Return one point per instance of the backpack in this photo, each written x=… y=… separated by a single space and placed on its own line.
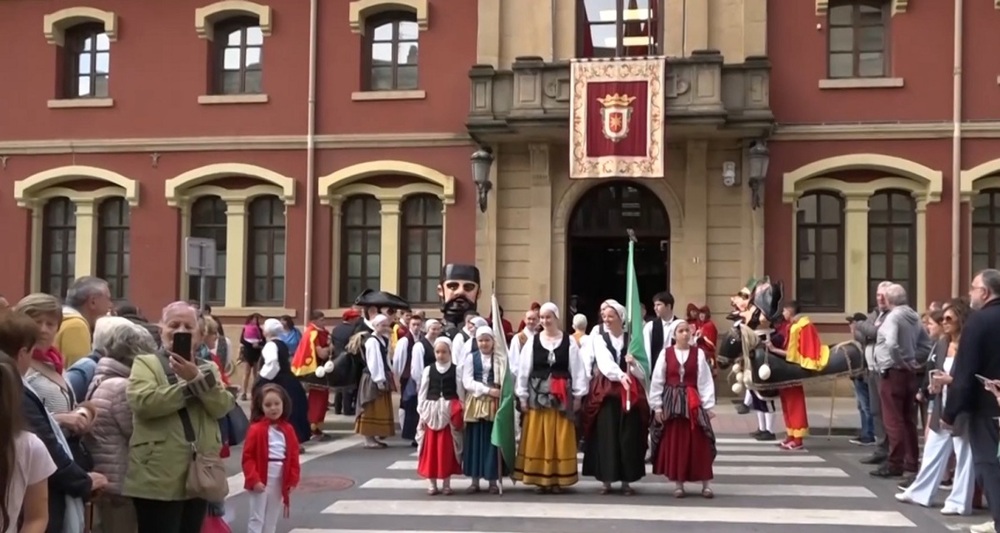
x=81 y=374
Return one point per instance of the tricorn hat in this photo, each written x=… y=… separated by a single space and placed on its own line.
x=373 y=298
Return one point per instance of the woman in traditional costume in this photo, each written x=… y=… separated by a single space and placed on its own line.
x=480 y=459
x=551 y=382
x=616 y=413
x=439 y=435
x=375 y=418
x=707 y=336
x=682 y=396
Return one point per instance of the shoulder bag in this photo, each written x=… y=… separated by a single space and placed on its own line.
x=206 y=476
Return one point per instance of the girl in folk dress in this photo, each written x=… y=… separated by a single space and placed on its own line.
x=271 y=466
x=682 y=396
x=551 y=382
x=616 y=413
x=480 y=380
x=375 y=418
x=439 y=435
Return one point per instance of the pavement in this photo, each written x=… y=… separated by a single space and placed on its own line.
x=758 y=488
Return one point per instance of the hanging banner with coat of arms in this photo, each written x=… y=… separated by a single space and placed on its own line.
x=617 y=118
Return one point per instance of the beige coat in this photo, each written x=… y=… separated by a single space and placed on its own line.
x=108 y=439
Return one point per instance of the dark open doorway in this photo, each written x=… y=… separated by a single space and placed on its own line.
x=598 y=246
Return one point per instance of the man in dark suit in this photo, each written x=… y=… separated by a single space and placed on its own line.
x=978 y=351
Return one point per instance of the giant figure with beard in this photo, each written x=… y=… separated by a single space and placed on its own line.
x=459 y=292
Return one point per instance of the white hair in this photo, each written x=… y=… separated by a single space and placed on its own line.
x=895 y=295
x=580 y=321
x=121 y=339
x=178 y=306
x=883 y=285
x=83 y=289
x=272 y=328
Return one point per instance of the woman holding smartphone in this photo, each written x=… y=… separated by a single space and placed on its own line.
x=941 y=439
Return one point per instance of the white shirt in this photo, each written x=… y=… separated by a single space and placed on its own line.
x=276 y=445
x=373 y=358
x=32 y=465
x=607 y=362
x=669 y=327
x=469 y=383
x=706 y=386
x=270 y=367
x=577 y=373
x=515 y=348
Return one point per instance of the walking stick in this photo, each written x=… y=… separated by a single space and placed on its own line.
x=833 y=398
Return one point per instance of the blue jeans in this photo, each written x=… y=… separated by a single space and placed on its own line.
x=864 y=408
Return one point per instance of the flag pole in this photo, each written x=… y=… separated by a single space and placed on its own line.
x=498 y=380
x=631 y=255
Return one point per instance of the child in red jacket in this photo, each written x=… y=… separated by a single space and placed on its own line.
x=270 y=458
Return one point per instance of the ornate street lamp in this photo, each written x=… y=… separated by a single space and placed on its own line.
x=759 y=157
x=482 y=161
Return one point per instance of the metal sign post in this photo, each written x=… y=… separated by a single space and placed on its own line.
x=200 y=262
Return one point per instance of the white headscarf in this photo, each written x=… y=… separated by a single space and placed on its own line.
x=549 y=307
x=485 y=330
x=431 y=322
x=619 y=308
x=479 y=322
x=442 y=340
x=379 y=320
x=272 y=328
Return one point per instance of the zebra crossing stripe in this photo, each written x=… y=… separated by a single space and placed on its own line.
x=719 y=470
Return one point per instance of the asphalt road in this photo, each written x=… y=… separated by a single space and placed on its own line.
x=347 y=489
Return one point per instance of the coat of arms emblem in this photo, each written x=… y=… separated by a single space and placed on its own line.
x=615 y=115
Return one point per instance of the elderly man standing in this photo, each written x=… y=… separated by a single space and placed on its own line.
x=899 y=341
x=87 y=299
x=977 y=356
x=865 y=333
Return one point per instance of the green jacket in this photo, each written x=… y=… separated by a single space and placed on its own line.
x=159 y=454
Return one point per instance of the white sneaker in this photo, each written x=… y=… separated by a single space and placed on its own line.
x=950 y=511
x=985 y=527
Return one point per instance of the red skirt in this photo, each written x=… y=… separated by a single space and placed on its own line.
x=437 y=455
x=685 y=452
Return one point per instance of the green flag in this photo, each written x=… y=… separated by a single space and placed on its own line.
x=634 y=318
x=503 y=424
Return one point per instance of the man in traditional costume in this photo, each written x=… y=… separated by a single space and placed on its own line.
x=375 y=418
x=682 y=395
x=551 y=383
x=402 y=366
x=616 y=412
x=480 y=378
x=658 y=334
x=440 y=433
x=310 y=365
x=459 y=293
x=518 y=342
x=747 y=314
x=797 y=341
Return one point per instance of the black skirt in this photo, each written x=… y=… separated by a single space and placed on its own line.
x=616 y=449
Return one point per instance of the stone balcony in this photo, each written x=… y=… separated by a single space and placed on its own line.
x=705 y=97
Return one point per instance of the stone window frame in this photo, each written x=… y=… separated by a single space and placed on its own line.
x=336 y=187
x=896 y=7
x=924 y=183
x=54 y=28
x=34 y=191
x=205 y=20
x=181 y=192
x=359 y=11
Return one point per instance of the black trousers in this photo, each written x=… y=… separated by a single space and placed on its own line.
x=984 y=436
x=155 y=516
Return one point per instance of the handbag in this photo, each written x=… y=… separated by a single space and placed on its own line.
x=206 y=476
x=235 y=426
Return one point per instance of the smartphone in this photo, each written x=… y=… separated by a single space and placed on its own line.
x=182 y=344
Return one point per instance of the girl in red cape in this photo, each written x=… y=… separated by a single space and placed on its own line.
x=271 y=468
x=708 y=336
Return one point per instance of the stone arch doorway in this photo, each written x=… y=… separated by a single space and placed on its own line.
x=597 y=246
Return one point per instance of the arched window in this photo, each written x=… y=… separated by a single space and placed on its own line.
x=819 y=237
x=208 y=221
x=87 y=61
x=266 y=252
x=986 y=230
x=58 y=246
x=892 y=239
x=423 y=236
x=361 y=247
x=113 y=246
x=392 y=50
x=239 y=43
